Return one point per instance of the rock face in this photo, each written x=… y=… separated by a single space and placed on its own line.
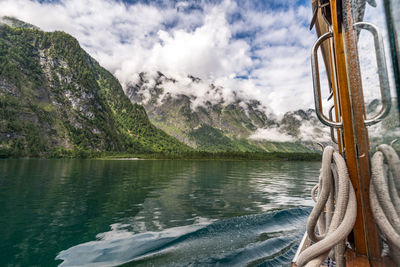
x=54 y=97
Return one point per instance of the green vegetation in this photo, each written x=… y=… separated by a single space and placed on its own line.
x=211 y=139
x=56 y=101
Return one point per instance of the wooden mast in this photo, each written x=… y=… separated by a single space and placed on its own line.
x=355 y=133
x=355 y=136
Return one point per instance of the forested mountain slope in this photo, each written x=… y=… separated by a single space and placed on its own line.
x=55 y=98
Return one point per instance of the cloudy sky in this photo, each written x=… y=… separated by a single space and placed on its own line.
x=260 y=48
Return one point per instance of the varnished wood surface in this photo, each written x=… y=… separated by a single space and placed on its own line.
x=347 y=119
x=360 y=134
x=354 y=260
x=355 y=135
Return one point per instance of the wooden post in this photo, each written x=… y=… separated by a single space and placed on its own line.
x=355 y=134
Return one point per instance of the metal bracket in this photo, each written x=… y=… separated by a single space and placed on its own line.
x=382 y=72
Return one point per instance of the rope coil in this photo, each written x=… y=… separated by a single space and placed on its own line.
x=384 y=196
x=336 y=194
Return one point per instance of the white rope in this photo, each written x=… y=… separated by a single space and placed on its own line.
x=336 y=194
x=384 y=196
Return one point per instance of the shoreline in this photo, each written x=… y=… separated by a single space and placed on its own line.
x=197 y=155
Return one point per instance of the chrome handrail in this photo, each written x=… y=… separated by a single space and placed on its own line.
x=317 y=84
x=382 y=72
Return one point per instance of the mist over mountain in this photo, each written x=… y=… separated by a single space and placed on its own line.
x=211 y=117
x=389 y=129
x=199 y=114
x=55 y=97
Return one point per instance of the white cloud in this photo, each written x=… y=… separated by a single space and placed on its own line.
x=130 y=38
x=271 y=134
x=273 y=50
x=309 y=131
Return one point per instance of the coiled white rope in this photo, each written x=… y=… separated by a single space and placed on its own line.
x=336 y=194
x=384 y=196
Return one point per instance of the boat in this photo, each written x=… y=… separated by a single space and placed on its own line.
x=355 y=221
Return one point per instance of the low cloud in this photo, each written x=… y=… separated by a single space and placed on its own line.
x=309 y=131
x=217 y=42
x=260 y=50
x=272 y=134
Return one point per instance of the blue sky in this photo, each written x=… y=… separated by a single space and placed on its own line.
x=254 y=49
x=263 y=4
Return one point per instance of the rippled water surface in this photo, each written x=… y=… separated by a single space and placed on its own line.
x=152 y=212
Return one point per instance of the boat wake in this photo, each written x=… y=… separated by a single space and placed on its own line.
x=268 y=239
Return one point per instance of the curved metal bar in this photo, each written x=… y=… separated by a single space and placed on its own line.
x=330 y=95
x=317 y=84
x=382 y=72
x=332 y=130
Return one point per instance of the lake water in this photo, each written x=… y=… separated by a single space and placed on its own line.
x=152 y=212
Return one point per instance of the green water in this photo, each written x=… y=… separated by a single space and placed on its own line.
x=49 y=206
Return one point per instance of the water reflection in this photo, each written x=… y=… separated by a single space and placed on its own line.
x=50 y=205
x=217 y=190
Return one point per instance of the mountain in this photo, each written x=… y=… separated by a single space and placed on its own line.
x=55 y=98
x=389 y=129
x=208 y=121
x=211 y=118
x=16 y=23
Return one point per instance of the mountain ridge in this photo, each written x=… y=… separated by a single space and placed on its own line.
x=191 y=119
x=185 y=110
x=55 y=98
